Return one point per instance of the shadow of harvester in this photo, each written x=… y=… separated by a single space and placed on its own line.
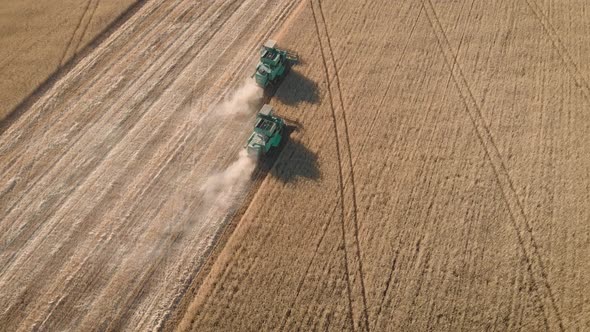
x=296 y=88
x=290 y=161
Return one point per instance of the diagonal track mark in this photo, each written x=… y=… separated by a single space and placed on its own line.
x=520 y=222
x=85 y=30
x=559 y=46
x=69 y=44
x=375 y=117
x=339 y=157
x=7 y=61
x=351 y=168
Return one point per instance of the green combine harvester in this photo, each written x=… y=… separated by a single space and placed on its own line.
x=273 y=65
x=268 y=132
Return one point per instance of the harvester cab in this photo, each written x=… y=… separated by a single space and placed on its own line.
x=268 y=132
x=273 y=65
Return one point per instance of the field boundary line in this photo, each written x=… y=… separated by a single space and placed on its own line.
x=136 y=84
x=521 y=224
x=106 y=155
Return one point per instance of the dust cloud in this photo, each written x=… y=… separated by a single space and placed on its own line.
x=222 y=188
x=244 y=101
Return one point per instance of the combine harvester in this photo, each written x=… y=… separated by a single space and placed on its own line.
x=268 y=132
x=273 y=65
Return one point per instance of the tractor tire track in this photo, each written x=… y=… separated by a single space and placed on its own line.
x=78 y=25
x=373 y=121
x=559 y=46
x=424 y=181
x=526 y=239
x=92 y=83
x=351 y=168
x=7 y=61
x=86 y=26
x=115 y=46
x=339 y=159
x=386 y=290
x=340 y=178
x=110 y=53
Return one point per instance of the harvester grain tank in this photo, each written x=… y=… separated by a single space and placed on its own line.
x=273 y=65
x=268 y=132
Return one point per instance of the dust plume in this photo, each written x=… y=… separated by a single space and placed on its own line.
x=222 y=188
x=244 y=101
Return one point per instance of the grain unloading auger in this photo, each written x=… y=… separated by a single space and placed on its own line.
x=274 y=64
x=268 y=132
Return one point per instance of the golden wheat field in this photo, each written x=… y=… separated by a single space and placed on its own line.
x=434 y=177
